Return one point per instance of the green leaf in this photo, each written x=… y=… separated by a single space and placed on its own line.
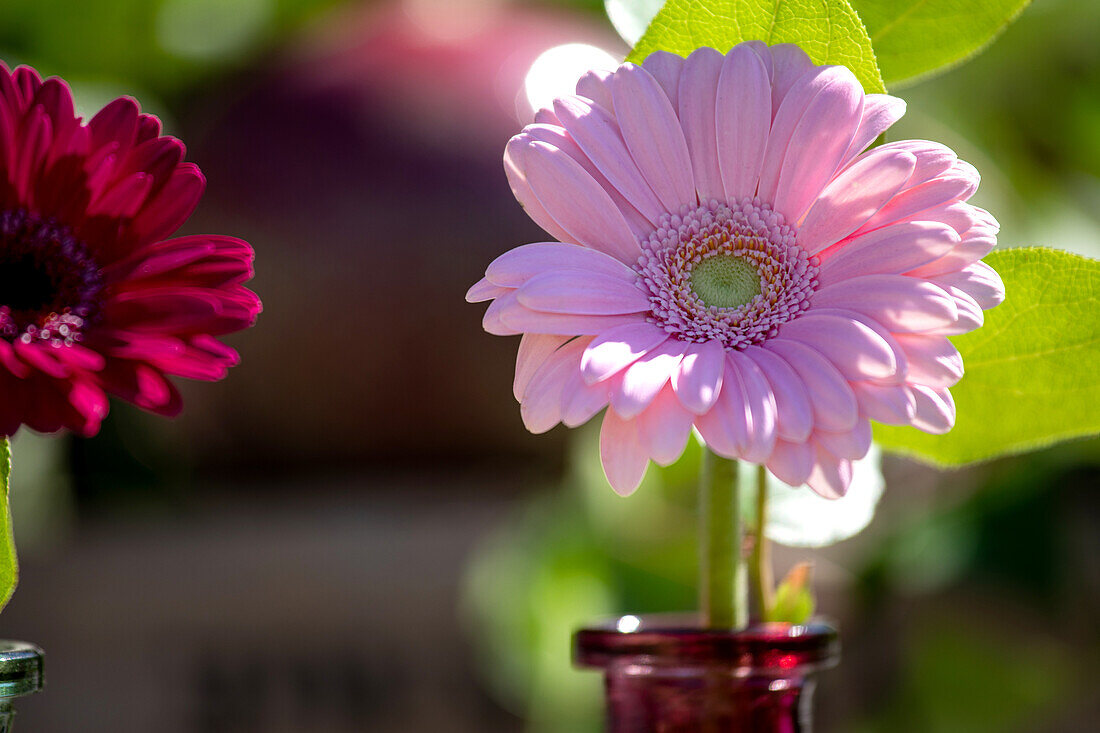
x=9 y=569
x=828 y=30
x=914 y=39
x=794 y=598
x=1031 y=371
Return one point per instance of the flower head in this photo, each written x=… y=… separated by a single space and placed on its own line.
x=93 y=299
x=730 y=259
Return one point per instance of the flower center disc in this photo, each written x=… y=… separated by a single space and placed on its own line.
x=49 y=283
x=725 y=281
x=731 y=273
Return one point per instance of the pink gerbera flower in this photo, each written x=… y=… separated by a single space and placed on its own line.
x=92 y=301
x=731 y=259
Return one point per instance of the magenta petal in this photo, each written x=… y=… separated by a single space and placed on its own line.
x=697 y=104
x=794 y=412
x=789 y=64
x=645 y=378
x=493 y=319
x=791 y=463
x=699 y=379
x=853 y=197
x=653 y=135
x=833 y=402
x=518 y=265
x=593 y=86
x=853 y=348
x=618 y=348
x=957 y=184
x=582 y=293
x=970 y=313
x=534 y=349
x=621 y=452
x=664 y=427
x=891 y=250
x=743 y=119
x=935 y=412
x=901 y=304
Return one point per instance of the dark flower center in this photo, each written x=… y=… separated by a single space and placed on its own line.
x=49 y=283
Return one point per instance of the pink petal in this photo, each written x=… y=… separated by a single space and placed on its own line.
x=698 y=91
x=524 y=320
x=935 y=411
x=653 y=135
x=593 y=86
x=580 y=402
x=901 y=304
x=957 y=184
x=762 y=410
x=618 y=348
x=621 y=452
x=645 y=378
x=556 y=136
x=980 y=281
x=515 y=166
x=493 y=319
x=578 y=203
x=583 y=293
x=970 y=313
x=664 y=427
x=484 y=290
x=516 y=266
x=852 y=444
x=791 y=462
x=665 y=67
x=933 y=159
x=853 y=348
x=597 y=134
x=542 y=399
x=699 y=379
x=725 y=428
x=833 y=402
x=830 y=476
x=888 y=338
x=534 y=349
x=853 y=197
x=789 y=64
x=831 y=101
x=880 y=111
x=891 y=250
x=933 y=360
x=794 y=412
x=743 y=119
x=889 y=405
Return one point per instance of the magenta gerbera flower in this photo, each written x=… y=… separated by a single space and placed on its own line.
x=731 y=259
x=93 y=299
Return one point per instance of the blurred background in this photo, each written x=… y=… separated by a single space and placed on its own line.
x=354 y=532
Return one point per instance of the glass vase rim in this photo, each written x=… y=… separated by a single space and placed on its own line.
x=682 y=639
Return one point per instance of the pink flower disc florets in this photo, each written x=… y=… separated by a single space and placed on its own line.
x=732 y=275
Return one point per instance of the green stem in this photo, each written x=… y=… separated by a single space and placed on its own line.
x=760 y=566
x=723 y=591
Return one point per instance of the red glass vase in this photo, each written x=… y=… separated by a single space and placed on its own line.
x=667 y=674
